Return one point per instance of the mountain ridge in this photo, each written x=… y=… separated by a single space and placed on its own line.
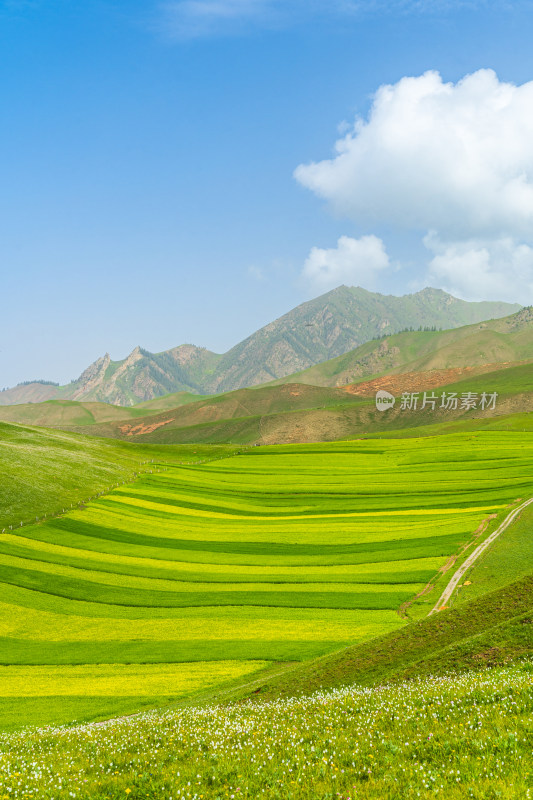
x=325 y=403
x=315 y=331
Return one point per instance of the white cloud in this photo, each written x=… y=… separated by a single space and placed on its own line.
x=482 y=270
x=353 y=262
x=455 y=159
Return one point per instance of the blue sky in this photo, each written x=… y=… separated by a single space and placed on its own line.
x=155 y=181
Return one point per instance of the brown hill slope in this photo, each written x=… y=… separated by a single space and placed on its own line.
x=301 y=413
x=291 y=411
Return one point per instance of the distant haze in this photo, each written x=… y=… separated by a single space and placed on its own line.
x=316 y=331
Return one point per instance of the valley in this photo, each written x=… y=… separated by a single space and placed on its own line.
x=207 y=571
x=261 y=549
x=266 y=400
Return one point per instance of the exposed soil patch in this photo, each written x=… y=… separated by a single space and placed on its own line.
x=139 y=430
x=418 y=381
x=483 y=527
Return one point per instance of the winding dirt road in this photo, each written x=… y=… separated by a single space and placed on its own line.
x=447 y=593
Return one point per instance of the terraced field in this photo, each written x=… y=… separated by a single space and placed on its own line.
x=198 y=575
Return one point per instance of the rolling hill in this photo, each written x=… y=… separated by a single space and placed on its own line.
x=301 y=413
x=320 y=329
x=200 y=574
x=64 y=413
x=486 y=344
x=43 y=472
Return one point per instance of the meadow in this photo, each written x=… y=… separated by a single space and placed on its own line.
x=44 y=472
x=211 y=574
x=458 y=736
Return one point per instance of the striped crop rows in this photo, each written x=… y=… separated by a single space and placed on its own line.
x=206 y=573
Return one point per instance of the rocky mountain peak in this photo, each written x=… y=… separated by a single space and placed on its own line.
x=315 y=331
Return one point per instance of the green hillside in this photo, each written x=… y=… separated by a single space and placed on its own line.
x=211 y=572
x=487 y=357
x=489 y=631
x=302 y=413
x=166 y=401
x=508 y=559
x=463 y=735
x=297 y=412
x=72 y=413
x=64 y=413
x=491 y=342
x=43 y=472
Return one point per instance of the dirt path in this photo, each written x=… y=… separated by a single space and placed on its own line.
x=447 y=593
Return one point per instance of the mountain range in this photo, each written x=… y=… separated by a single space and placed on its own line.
x=333 y=400
x=316 y=331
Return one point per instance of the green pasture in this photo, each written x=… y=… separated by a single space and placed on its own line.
x=519 y=423
x=459 y=736
x=46 y=471
x=200 y=574
x=510 y=557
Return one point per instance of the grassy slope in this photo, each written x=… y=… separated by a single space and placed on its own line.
x=279 y=554
x=65 y=413
x=43 y=471
x=71 y=413
x=167 y=401
x=509 y=558
x=236 y=416
x=277 y=414
x=491 y=630
x=300 y=412
x=493 y=342
x=462 y=736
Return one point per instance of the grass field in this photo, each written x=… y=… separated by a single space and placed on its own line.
x=509 y=558
x=455 y=737
x=44 y=471
x=490 y=630
x=222 y=568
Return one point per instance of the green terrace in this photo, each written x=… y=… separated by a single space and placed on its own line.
x=202 y=575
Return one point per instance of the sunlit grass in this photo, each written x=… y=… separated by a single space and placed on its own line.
x=455 y=737
x=278 y=554
x=120 y=680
